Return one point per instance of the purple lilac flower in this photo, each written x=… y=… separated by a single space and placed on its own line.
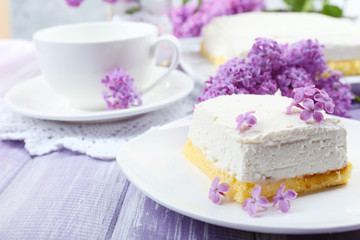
x=309 y=55
x=251 y=204
x=295 y=69
x=327 y=101
x=234 y=77
x=293 y=77
x=217 y=190
x=340 y=93
x=267 y=55
x=303 y=92
x=236 y=71
x=247 y=5
x=284 y=198
x=188 y=23
x=262 y=82
x=120 y=90
x=313 y=101
x=312 y=110
x=73 y=3
x=247 y=119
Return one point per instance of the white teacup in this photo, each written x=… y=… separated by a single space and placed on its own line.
x=74 y=58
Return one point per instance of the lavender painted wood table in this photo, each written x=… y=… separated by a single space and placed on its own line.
x=66 y=195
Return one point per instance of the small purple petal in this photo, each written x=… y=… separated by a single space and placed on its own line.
x=319 y=106
x=329 y=107
x=249 y=112
x=256 y=191
x=318 y=117
x=247 y=204
x=305 y=115
x=280 y=191
x=290 y=194
x=262 y=202
x=214 y=196
x=284 y=206
x=251 y=120
x=319 y=98
x=309 y=91
x=252 y=209
x=308 y=103
x=276 y=199
x=239 y=125
x=215 y=182
x=299 y=97
x=223 y=187
x=240 y=118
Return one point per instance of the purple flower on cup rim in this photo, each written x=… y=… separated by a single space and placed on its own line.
x=284 y=198
x=217 y=190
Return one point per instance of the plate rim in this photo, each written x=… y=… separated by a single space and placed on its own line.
x=138 y=182
x=102 y=115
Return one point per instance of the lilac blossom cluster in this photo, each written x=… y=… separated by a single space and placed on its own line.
x=187 y=21
x=120 y=90
x=270 y=66
x=312 y=101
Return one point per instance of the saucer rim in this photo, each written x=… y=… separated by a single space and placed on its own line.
x=101 y=115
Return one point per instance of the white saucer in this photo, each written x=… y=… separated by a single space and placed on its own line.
x=35 y=98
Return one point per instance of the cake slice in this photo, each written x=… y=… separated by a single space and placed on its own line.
x=227 y=37
x=280 y=149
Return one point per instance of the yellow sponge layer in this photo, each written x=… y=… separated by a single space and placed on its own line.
x=240 y=191
x=347 y=67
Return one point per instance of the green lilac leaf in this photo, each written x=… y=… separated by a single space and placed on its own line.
x=331 y=10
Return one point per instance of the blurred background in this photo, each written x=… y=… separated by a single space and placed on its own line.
x=20 y=19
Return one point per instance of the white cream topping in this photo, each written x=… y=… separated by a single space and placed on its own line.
x=233 y=36
x=279 y=146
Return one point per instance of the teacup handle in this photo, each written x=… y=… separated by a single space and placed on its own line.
x=176 y=51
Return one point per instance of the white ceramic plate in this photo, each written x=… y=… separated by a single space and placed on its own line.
x=35 y=98
x=200 y=68
x=153 y=162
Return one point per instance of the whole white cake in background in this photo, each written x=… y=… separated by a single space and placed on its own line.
x=227 y=37
x=279 y=149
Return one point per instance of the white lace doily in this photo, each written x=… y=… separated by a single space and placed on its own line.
x=98 y=140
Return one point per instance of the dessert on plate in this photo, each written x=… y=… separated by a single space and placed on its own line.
x=227 y=37
x=284 y=147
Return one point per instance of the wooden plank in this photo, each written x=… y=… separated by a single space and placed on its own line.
x=13 y=158
x=61 y=196
x=142 y=218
